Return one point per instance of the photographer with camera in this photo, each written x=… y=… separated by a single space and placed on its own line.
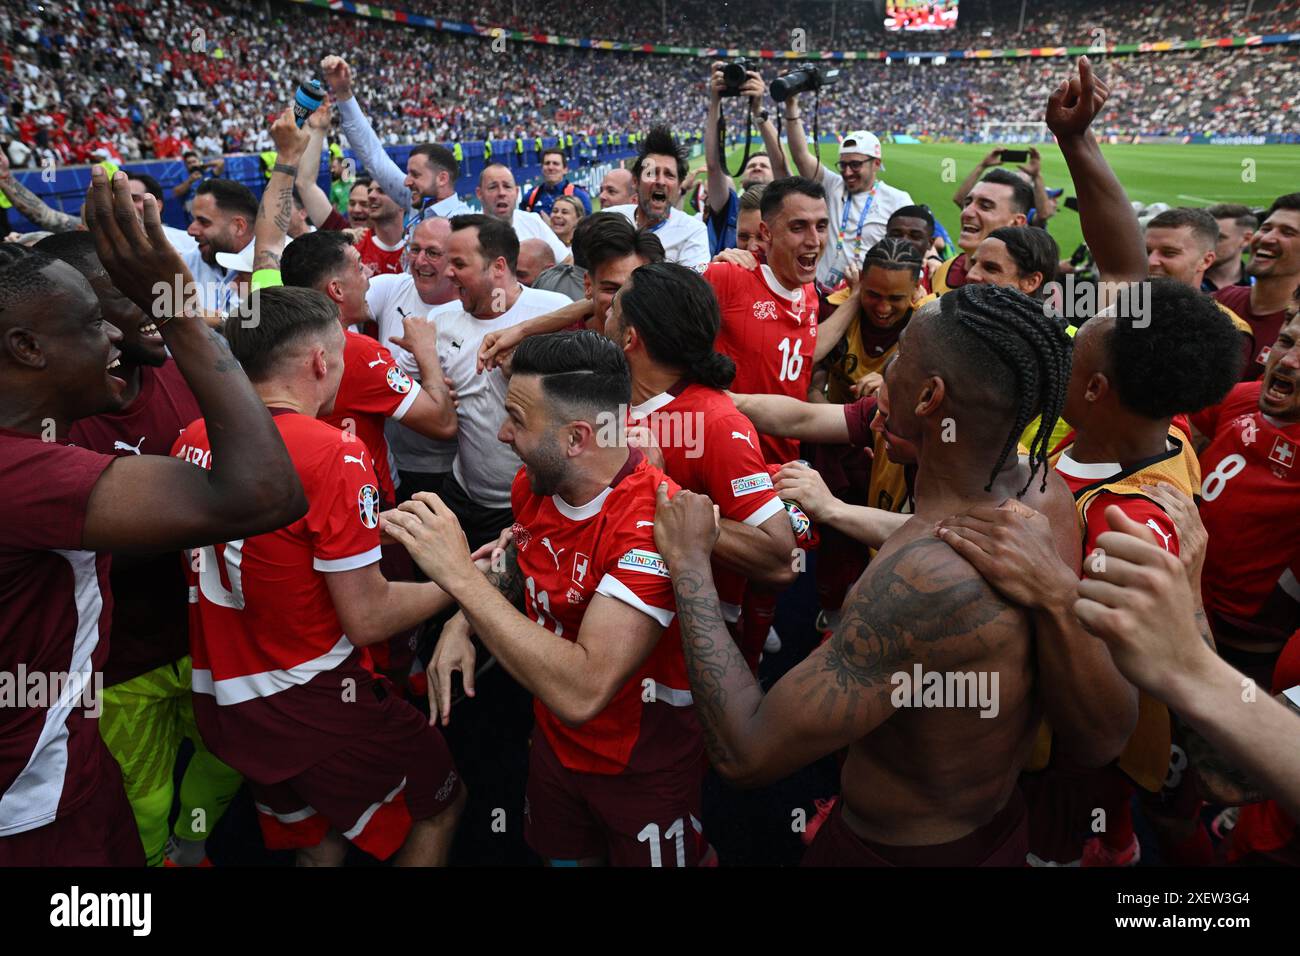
x=859 y=202
x=198 y=170
x=722 y=208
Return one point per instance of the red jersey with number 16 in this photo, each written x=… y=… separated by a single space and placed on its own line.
x=1249 y=501
x=568 y=555
x=277 y=684
x=770 y=332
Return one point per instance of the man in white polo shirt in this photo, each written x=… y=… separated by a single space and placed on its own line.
x=482 y=254
x=859 y=202
x=659 y=170
x=499 y=195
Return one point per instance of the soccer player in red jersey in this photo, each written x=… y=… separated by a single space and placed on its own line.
x=1249 y=498
x=283 y=687
x=66 y=509
x=616 y=761
x=1275 y=266
x=147 y=709
x=666 y=319
x=381 y=248
x=374 y=387
x=769 y=309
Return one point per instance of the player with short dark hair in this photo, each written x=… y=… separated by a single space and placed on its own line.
x=615 y=763
x=1000 y=198
x=284 y=689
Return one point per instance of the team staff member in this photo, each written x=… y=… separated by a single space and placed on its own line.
x=658 y=172
x=66 y=509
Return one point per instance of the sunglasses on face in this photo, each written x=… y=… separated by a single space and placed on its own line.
x=852 y=164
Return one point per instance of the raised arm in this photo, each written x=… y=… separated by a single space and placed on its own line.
x=32 y=206
x=1109 y=225
x=994 y=158
x=840 y=692
x=804 y=160
x=314 y=200
x=153 y=503
x=276 y=209
x=361 y=135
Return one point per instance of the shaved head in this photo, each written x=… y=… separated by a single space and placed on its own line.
x=535 y=257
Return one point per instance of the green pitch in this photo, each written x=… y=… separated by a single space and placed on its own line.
x=1177 y=175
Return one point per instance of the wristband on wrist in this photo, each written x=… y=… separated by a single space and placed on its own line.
x=285 y=168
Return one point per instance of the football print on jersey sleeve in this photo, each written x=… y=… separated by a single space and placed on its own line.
x=633 y=570
x=735 y=474
x=382 y=386
x=343 y=518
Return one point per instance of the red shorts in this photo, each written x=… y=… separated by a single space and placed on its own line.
x=629 y=819
x=101 y=831
x=1003 y=841
x=370 y=791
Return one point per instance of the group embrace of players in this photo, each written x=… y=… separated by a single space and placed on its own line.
x=1092 y=515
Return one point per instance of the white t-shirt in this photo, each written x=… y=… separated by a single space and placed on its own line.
x=391 y=298
x=484 y=467
x=884 y=199
x=530 y=225
x=685 y=238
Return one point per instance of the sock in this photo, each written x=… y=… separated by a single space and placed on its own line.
x=186 y=852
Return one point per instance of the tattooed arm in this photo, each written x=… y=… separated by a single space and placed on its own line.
x=919 y=603
x=32 y=206
x=276 y=209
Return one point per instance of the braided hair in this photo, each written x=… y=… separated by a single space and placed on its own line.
x=893 y=253
x=1030 y=359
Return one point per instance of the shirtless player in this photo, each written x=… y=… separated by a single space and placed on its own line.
x=926 y=786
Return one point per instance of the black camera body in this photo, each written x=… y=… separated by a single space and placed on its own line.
x=734 y=75
x=801 y=80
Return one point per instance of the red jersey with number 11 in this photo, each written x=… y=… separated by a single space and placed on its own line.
x=567 y=556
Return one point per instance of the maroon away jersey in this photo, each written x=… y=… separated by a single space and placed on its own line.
x=55 y=607
x=150 y=612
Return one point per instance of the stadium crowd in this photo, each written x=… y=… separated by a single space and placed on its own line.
x=445 y=536
x=156 y=78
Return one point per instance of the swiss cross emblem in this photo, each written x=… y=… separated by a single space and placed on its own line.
x=581 y=565
x=1283 y=453
x=765 y=310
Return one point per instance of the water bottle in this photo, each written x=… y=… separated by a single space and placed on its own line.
x=307 y=100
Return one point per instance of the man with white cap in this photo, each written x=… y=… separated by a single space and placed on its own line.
x=858 y=201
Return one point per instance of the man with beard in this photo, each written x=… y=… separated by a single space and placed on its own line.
x=147 y=710
x=500 y=198
x=659 y=170
x=578 y=615
x=224 y=213
x=382 y=246
x=1275 y=267
x=427 y=188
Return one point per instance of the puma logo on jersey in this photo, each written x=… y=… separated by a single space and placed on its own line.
x=377 y=361
x=354 y=459
x=546 y=542
x=645 y=524
x=133 y=449
x=1151 y=523
x=745 y=438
